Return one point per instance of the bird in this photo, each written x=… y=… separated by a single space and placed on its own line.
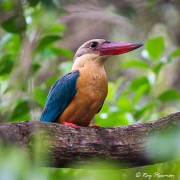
x=78 y=96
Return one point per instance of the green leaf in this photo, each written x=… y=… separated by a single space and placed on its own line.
x=140 y=92
x=63 y=11
x=15 y=24
x=158 y=67
x=124 y=103
x=46 y=40
x=10 y=43
x=34 y=68
x=48 y=4
x=6 y=64
x=176 y=53
x=155 y=47
x=113 y=119
x=138 y=82
x=45 y=54
x=39 y=96
x=33 y=2
x=21 y=111
x=6 y=5
x=160 y=64
x=62 y=52
x=111 y=91
x=134 y=63
x=55 y=28
x=139 y=112
x=169 y=95
x=50 y=81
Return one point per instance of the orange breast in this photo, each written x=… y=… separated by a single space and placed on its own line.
x=91 y=93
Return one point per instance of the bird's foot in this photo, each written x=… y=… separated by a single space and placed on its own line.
x=94 y=126
x=70 y=124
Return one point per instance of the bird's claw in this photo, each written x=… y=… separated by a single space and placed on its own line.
x=94 y=126
x=70 y=124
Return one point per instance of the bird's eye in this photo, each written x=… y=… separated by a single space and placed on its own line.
x=93 y=44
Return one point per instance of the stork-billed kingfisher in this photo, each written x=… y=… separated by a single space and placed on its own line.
x=76 y=97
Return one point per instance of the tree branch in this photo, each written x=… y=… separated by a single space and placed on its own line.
x=66 y=145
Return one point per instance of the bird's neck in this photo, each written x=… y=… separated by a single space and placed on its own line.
x=88 y=61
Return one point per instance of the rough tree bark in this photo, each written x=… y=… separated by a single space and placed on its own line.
x=67 y=146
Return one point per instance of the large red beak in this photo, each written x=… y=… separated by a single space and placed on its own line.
x=116 y=48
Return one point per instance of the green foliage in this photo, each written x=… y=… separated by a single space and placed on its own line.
x=134 y=63
x=6 y=64
x=33 y=2
x=45 y=41
x=15 y=24
x=176 y=53
x=30 y=39
x=20 y=111
x=169 y=95
x=155 y=47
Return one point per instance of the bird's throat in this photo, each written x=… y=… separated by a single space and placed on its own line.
x=88 y=61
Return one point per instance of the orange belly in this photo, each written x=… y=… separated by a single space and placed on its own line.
x=91 y=93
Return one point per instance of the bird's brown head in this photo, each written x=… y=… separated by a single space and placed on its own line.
x=104 y=48
x=98 y=50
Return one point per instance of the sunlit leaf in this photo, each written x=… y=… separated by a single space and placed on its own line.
x=113 y=119
x=155 y=47
x=46 y=54
x=10 y=43
x=158 y=67
x=125 y=103
x=111 y=90
x=140 y=81
x=134 y=63
x=176 y=53
x=55 y=28
x=105 y=108
x=160 y=64
x=6 y=5
x=140 y=92
x=169 y=95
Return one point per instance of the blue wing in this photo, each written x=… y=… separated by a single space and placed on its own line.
x=59 y=97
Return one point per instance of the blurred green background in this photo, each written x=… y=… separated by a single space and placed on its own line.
x=37 y=41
